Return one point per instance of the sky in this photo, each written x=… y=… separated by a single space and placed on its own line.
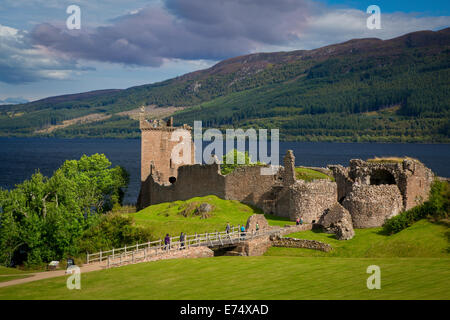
x=124 y=43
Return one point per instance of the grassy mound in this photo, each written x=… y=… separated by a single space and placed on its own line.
x=423 y=239
x=185 y=216
x=310 y=174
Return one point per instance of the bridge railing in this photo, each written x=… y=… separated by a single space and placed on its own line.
x=144 y=250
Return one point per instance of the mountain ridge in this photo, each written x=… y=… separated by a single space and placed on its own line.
x=271 y=89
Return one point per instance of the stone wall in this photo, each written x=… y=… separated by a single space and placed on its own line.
x=371 y=205
x=307 y=200
x=245 y=184
x=300 y=243
x=255 y=247
x=156 y=150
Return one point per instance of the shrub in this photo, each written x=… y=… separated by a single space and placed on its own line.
x=436 y=208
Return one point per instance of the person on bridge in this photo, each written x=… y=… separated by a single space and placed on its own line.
x=167 y=242
x=182 y=241
x=228 y=228
x=301 y=220
x=297 y=222
x=242 y=231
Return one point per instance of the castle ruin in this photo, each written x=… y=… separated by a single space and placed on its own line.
x=363 y=195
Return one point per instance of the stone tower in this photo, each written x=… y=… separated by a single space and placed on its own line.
x=157 y=143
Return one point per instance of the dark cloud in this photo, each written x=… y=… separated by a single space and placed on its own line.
x=21 y=62
x=183 y=29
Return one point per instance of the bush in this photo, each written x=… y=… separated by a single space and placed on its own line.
x=113 y=230
x=436 y=208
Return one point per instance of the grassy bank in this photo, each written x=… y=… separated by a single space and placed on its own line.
x=181 y=216
x=423 y=239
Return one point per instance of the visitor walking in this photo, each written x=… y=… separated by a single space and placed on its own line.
x=242 y=231
x=301 y=220
x=182 y=241
x=228 y=228
x=297 y=222
x=167 y=242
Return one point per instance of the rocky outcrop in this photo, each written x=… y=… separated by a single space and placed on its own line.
x=338 y=220
x=256 y=219
x=371 y=205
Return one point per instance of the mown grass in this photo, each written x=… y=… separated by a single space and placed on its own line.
x=414 y=263
x=309 y=174
x=423 y=239
x=168 y=218
x=251 y=278
x=7 y=274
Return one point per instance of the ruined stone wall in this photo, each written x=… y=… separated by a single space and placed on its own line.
x=255 y=247
x=156 y=151
x=415 y=183
x=371 y=205
x=300 y=243
x=343 y=181
x=193 y=181
x=307 y=200
x=245 y=184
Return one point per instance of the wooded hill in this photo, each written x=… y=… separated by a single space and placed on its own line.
x=360 y=90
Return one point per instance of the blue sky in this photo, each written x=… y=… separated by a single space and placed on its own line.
x=123 y=43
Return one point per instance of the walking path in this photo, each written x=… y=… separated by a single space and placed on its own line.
x=142 y=255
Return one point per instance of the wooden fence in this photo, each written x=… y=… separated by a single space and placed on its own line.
x=142 y=251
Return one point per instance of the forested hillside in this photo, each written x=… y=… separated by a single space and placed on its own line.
x=360 y=90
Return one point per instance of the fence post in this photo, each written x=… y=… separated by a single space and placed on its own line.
x=160 y=243
x=132 y=256
x=100 y=255
x=125 y=248
x=87 y=257
x=113 y=253
x=109 y=261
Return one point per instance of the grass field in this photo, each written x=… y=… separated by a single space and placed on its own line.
x=168 y=217
x=7 y=274
x=414 y=263
x=422 y=239
x=252 y=278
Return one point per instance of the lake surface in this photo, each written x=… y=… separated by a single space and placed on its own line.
x=20 y=157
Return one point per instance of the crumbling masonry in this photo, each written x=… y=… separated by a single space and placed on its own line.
x=368 y=192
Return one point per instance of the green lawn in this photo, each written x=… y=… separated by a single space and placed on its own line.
x=7 y=274
x=252 y=278
x=422 y=239
x=309 y=174
x=167 y=217
x=414 y=263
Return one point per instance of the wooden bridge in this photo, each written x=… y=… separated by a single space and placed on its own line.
x=150 y=250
